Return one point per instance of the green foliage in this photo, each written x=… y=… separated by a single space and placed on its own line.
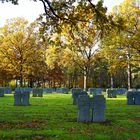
x=121 y=45
x=75 y=31
x=20 y=50
x=68 y=36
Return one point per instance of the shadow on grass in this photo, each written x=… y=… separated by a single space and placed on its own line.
x=105 y=123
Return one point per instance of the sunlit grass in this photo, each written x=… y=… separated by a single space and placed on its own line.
x=53 y=117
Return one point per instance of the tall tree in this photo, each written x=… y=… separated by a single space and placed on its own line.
x=79 y=37
x=122 y=43
x=19 y=47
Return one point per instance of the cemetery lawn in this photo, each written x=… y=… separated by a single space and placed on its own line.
x=53 y=117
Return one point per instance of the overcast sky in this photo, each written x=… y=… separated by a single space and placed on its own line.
x=30 y=10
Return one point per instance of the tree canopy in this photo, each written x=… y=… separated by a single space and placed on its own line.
x=75 y=38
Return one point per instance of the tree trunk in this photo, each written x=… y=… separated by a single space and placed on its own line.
x=30 y=83
x=69 y=82
x=21 y=81
x=129 y=80
x=85 y=80
x=112 y=83
x=54 y=83
x=21 y=76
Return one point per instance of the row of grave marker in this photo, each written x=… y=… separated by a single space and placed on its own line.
x=22 y=95
x=95 y=91
x=8 y=90
x=66 y=90
x=97 y=104
x=85 y=104
x=111 y=93
x=89 y=109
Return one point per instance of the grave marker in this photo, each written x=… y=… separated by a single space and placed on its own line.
x=78 y=90
x=75 y=96
x=62 y=90
x=95 y=91
x=83 y=104
x=111 y=93
x=133 y=97
x=18 y=96
x=121 y=91
x=137 y=97
x=7 y=90
x=26 y=96
x=1 y=92
x=99 y=104
x=21 y=96
x=37 y=92
x=48 y=90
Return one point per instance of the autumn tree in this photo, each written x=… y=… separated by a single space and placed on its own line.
x=79 y=30
x=19 y=47
x=85 y=24
x=122 y=43
x=130 y=12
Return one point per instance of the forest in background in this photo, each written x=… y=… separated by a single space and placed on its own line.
x=73 y=44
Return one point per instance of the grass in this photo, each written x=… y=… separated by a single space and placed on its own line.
x=53 y=117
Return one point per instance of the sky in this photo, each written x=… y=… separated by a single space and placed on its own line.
x=30 y=10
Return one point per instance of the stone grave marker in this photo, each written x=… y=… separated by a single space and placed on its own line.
x=1 y=92
x=76 y=94
x=95 y=91
x=62 y=90
x=99 y=104
x=18 y=96
x=83 y=104
x=7 y=90
x=26 y=96
x=37 y=92
x=132 y=89
x=58 y=90
x=47 y=90
x=65 y=90
x=137 y=97
x=121 y=91
x=133 y=97
x=21 y=96
x=78 y=90
x=111 y=93
x=130 y=98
